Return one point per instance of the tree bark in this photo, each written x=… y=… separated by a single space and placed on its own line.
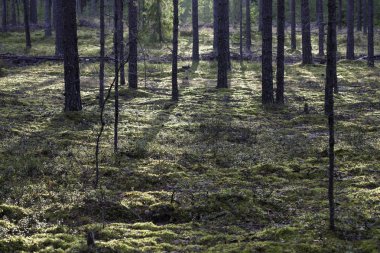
x=371 y=58
x=117 y=7
x=260 y=3
x=215 y=13
x=307 y=57
x=340 y=14
x=159 y=21
x=58 y=17
x=4 y=16
x=365 y=16
x=267 y=68
x=241 y=29
x=71 y=58
x=293 y=24
x=48 y=32
x=331 y=78
x=248 y=37
x=133 y=30
x=359 y=19
x=350 y=54
x=26 y=25
x=223 y=43
x=33 y=11
x=321 y=28
x=280 y=51
x=13 y=13
x=195 y=30
x=175 y=93
x=102 y=53
x=120 y=37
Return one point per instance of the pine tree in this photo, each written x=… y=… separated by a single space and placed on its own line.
x=321 y=28
x=48 y=32
x=58 y=24
x=293 y=24
x=248 y=37
x=4 y=16
x=307 y=57
x=175 y=93
x=350 y=54
x=371 y=58
x=223 y=44
x=280 y=51
x=102 y=53
x=133 y=32
x=195 y=30
x=26 y=24
x=267 y=69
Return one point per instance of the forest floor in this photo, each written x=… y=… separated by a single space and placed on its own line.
x=214 y=172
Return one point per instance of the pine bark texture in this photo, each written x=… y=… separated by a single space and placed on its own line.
x=280 y=51
x=293 y=24
x=195 y=30
x=175 y=93
x=321 y=28
x=28 y=40
x=371 y=59
x=350 y=54
x=58 y=21
x=223 y=44
x=248 y=36
x=267 y=68
x=307 y=57
x=116 y=41
x=48 y=32
x=102 y=52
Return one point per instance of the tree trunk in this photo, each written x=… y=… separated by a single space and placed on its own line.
x=175 y=93
x=260 y=7
x=365 y=16
x=359 y=24
x=71 y=59
x=159 y=21
x=267 y=68
x=102 y=53
x=307 y=57
x=321 y=28
x=371 y=59
x=350 y=54
x=241 y=29
x=48 y=32
x=195 y=31
x=215 y=13
x=58 y=17
x=120 y=34
x=293 y=24
x=133 y=30
x=4 y=16
x=117 y=7
x=248 y=36
x=33 y=12
x=331 y=78
x=223 y=43
x=13 y=13
x=280 y=51
x=340 y=14
x=26 y=24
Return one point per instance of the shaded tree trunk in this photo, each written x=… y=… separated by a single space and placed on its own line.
x=195 y=30
x=58 y=23
x=248 y=37
x=359 y=19
x=280 y=51
x=350 y=54
x=340 y=14
x=307 y=57
x=331 y=78
x=48 y=32
x=241 y=29
x=33 y=11
x=371 y=59
x=13 y=13
x=117 y=7
x=102 y=53
x=293 y=24
x=71 y=59
x=260 y=21
x=175 y=93
x=223 y=43
x=159 y=21
x=4 y=16
x=120 y=37
x=215 y=13
x=26 y=25
x=267 y=68
x=365 y=16
x=133 y=30
x=321 y=28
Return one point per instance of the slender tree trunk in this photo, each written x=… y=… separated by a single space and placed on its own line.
x=117 y=7
x=71 y=58
x=223 y=43
x=241 y=29
x=120 y=34
x=293 y=24
x=321 y=28
x=371 y=59
x=4 y=16
x=307 y=57
x=93 y=8
x=280 y=51
x=331 y=78
x=102 y=53
x=267 y=68
x=79 y=7
x=260 y=3
x=159 y=21
x=26 y=24
x=195 y=30
x=175 y=93
x=340 y=14
x=215 y=13
x=58 y=17
x=133 y=30
x=13 y=13
x=33 y=11
x=248 y=37
x=365 y=16
x=350 y=55
x=360 y=16
x=48 y=32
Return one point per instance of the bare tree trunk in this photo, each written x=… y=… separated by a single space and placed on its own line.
x=340 y=14
x=359 y=24
x=117 y=7
x=195 y=30
x=321 y=28
x=102 y=53
x=260 y=3
x=267 y=68
x=71 y=58
x=175 y=93
x=215 y=13
x=58 y=17
x=241 y=29
x=293 y=24
x=13 y=13
x=133 y=30
x=280 y=51
x=331 y=78
x=350 y=54
x=365 y=16
x=120 y=34
x=26 y=24
x=33 y=11
x=4 y=16
x=371 y=59
x=223 y=44
x=307 y=57
x=159 y=21
x=48 y=32
x=248 y=36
